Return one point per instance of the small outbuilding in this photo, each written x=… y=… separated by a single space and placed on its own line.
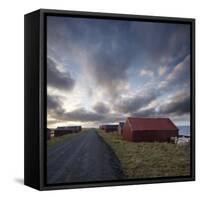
x=59 y=131
x=149 y=129
x=109 y=127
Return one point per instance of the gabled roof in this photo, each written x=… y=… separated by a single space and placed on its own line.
x=151 y=124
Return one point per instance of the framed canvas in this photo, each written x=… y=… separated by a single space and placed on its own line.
x=109 y=99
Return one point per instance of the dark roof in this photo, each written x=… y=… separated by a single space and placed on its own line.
x=110 y=125
x=140 y=124
x=67 y=127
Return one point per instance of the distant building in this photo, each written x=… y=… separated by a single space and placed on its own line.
x=48 y=134
x=120 y=127
x=149 y=129
x=109 y=127
x=59 y=131
x=101 y=127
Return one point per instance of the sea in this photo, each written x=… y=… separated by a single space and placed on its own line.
x=184 y=130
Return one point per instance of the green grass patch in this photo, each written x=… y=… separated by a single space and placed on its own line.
x=55 y=140
x=149 y=160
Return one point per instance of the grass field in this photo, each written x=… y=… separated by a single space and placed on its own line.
x=63 y=138
x=148 y=160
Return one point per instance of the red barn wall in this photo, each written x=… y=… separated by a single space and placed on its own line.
x=147 y=135
x=153 y=136
x=127 y=135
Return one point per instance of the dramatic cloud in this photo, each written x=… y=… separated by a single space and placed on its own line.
x=106 y=70
x=82 y=115
x=146 y=112
x=179 y=105
x=55 y=110
x=54 y=105
x=101 y=108
x=58 y=79
x=107 y=66
x=179 y=75
x=133 y=104
x=125 y=47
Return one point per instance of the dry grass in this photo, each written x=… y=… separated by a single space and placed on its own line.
x=55 y=140
x=149 y=160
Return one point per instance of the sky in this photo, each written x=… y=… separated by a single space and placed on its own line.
x=103 y=71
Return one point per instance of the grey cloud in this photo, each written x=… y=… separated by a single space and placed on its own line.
x=82 y=115
x=167 y=45
x=57 y=79
x=179 y=105
x=112 y=48
x=108 y=65
x=108 y=52
x=54 y=105
x=56 y=111
x=114 y=118
x=179 y=76
x=133 y=104
x=124 y=46
x=101 y=108
x=149 y=112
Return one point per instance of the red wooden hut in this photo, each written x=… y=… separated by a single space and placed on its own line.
x=149 y=129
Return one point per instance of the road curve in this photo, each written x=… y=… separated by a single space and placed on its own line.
x=83 y=158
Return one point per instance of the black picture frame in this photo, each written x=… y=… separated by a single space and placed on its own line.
x=36 y=97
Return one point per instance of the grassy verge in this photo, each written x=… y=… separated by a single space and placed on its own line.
x=148 y=160
x=55 y=140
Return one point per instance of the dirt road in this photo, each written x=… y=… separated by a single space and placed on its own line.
x=82 y=158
